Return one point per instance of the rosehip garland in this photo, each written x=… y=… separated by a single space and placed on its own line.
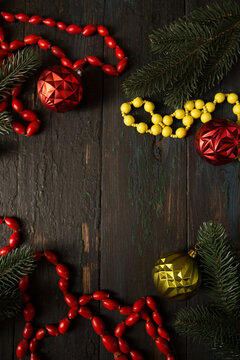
x=143 y=309
x=14 y=238
x=33 y=39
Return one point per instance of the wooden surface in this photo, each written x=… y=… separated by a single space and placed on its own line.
x=107 y=200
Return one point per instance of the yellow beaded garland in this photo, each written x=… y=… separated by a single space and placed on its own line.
x=193 y=109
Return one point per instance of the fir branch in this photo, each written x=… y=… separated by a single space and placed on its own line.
x=13 y=266
x=159 y=74
x=5 y=123
x=10 y=304
x=215 y=13
x=224 y=56
x=202 y=46
x=17 y=69
x=220 y=268
x=179 y=36
x=206 y=325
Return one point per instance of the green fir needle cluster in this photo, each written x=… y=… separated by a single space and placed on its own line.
x=13 y=266
x=193 y=55
x=14 y=71
x=218 y=323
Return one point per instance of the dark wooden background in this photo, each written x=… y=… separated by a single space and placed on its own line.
x=108 y=200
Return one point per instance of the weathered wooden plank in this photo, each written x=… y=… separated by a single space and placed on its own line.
x=86 y=170
x=212 y=193
x=143 y=181
x=54 y=182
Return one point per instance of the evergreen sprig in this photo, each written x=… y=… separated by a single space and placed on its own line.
x=206 y=324
x=194 y=54
x=216 y=324
x=17 y=69
x=13 y=266
x=10 y=304
x=13 y=71
x=5 y=123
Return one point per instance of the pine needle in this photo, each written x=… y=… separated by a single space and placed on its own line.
x=17 y=69
x=5 y=123
x=13 y=266
x=194 y=54
x=217 y=324
x=220 y=268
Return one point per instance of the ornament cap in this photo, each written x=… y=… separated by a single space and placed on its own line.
x=192 y=253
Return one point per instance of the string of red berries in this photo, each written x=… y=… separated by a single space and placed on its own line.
x=44 y=44
x=143 y=309
x=33 y=39
x=14 y=238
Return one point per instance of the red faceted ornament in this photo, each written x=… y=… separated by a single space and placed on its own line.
x=59 y=88
x=218 y=141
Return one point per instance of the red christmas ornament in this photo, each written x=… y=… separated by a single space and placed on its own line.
x=218 y=141
x=59 y=88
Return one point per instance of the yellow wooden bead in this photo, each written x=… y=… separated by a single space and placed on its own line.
x=181 y=133
x=137 y=102
x=196 y=113
x=199 y=104
x=189 y=105
x=156 y=129
x=166 y=131
x=187 y=120
x=210 y=106
x=142 y=128
x=128 y=120
x=238 y=122
x=179 y=114
x=125 y=108
x=149 y=106
x=236 y=109
x=232 y=98
x=219 y=97
x=167 y=120
x=156 y=119
x=205 y=117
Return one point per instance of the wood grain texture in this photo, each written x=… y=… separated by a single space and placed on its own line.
x=108 y=200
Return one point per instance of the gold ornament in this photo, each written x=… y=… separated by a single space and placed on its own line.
x=177 y=275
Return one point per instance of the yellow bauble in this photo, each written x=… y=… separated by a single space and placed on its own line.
x=128 y=120
x=142 y=128
x=166 y=131
x=199 y=104
x=196 y=113
x=149 y=106
x=179 y=114
x=137 y=102
x=177 y=275
x=205 y=117
x=232 y=98
x=181 y=133
x=236 y=109
x=156 y=130
x=189 y=105
x=188 y=120
x=210 y=106
x=156 y=119
x=219 y=97
x=125 y=108
x=167 y=120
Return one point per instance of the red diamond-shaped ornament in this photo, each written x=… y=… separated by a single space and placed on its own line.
x=218 y=141
x=59 y=88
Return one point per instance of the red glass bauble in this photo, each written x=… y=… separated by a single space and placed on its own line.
x=59 y=88
x=218 y=141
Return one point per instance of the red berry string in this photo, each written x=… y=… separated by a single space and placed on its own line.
x=143 y=309
x=14 y=238
x=33 y=39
